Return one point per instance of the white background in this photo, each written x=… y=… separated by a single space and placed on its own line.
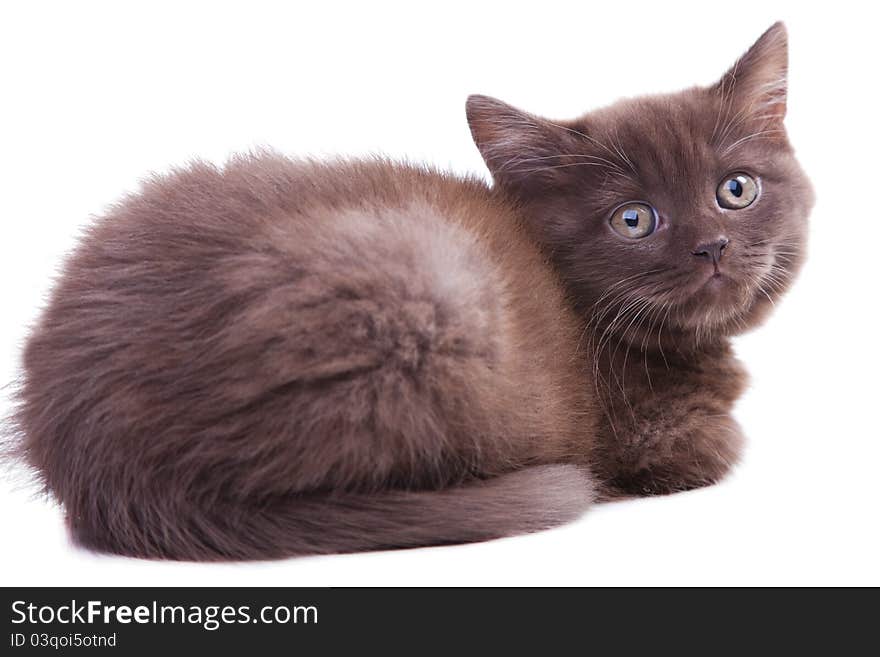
x=94 y=96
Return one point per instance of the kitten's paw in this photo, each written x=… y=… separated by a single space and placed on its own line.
x=660 y=481
x=679 y=463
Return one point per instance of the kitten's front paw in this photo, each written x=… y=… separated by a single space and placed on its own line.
x=679 y=463
x=660 y=481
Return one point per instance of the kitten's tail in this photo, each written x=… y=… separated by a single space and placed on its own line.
x=524 y=501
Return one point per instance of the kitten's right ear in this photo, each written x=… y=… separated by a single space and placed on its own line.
x=519 y=148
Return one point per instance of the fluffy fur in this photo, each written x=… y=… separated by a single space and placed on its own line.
x=279 y=358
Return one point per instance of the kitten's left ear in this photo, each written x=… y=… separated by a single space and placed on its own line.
x=757 y=85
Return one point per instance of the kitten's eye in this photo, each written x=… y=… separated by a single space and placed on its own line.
x=737 y=191
x=634 y=220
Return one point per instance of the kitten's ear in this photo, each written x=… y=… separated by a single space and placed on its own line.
x=758 y=83
x=520 y=149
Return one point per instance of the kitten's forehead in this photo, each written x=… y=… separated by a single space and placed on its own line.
x=670 y=141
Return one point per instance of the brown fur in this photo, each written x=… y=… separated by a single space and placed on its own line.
x=279 y=358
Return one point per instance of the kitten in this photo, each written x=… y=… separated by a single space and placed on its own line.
x=279 y=358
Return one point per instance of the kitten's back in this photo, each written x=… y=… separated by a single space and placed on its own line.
x=233 y=353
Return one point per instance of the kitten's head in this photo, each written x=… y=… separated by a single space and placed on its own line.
x=686 y=209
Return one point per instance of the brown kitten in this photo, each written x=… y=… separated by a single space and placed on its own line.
x=700 y=262
x=283 y=358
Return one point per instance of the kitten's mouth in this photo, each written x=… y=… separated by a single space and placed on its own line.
x=718 y=290
x=716 y=280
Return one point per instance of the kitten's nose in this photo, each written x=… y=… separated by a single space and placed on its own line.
x=712 y=250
